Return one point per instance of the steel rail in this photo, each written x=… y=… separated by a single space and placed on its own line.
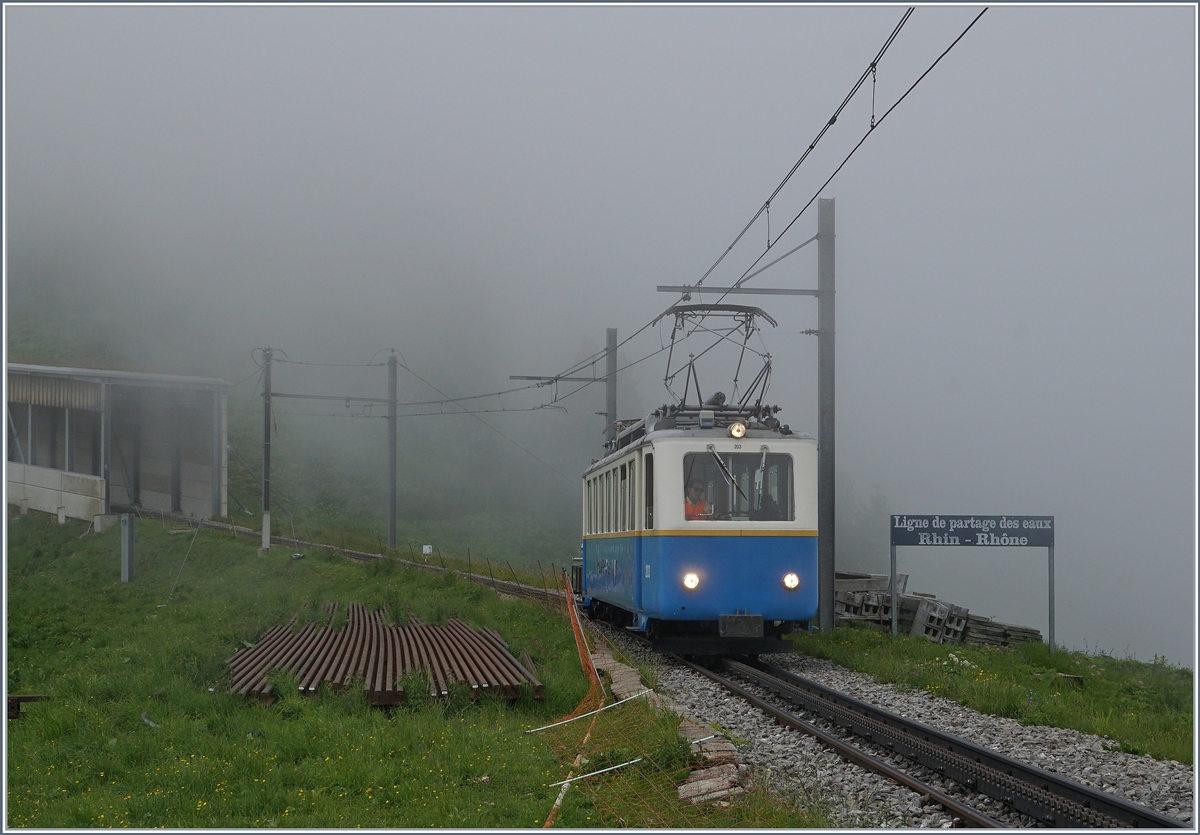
x=1050 y=798
x=849 y=752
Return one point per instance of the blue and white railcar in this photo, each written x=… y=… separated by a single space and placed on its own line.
x=742 y=570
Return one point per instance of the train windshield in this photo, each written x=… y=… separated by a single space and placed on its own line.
x=722 y=486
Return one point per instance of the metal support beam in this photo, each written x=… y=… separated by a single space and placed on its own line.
x=556 y=379
x=826 y=564
x=69 y=432
x=214 y=494
x=392 y=360
x=127 y=547
x=13 y=426
x=106 y=443
x=748 y=291
x=610 y=387
x=133 y=490
x=1051 y=635
x=176 y=460
x=266 y=483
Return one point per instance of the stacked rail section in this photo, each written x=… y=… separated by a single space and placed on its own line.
x=380 y=654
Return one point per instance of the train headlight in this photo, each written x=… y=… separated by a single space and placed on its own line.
x=690 y=581
x=737 y=429
x=791 y=580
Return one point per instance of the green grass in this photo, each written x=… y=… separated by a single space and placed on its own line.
x=115 y=657
x=107 y=654
x=1144 y=708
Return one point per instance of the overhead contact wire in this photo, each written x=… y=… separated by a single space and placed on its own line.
x=820 y=134
x=870 y=130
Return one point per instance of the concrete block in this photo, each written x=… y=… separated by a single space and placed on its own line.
x=81 y=507
x=44 y=477
x=43 y=499
x=16 y=491
x=83 y=485
x=16 y=472
x=102 y=522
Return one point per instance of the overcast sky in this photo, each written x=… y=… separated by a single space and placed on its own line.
x=488 y=189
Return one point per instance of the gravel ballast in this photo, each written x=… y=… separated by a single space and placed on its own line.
x=799 y=768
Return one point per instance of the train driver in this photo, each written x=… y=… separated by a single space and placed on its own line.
x=694 y=505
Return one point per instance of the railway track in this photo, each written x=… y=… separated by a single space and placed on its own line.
x=1050 y=799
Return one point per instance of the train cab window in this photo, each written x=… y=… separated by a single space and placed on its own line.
x=649 y=479
x=742 y=486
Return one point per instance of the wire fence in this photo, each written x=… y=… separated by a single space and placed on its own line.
x=627 y=758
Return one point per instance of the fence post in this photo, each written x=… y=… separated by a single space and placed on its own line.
x=127 y=556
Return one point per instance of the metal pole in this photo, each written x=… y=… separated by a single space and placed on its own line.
x=69 y=451
x=127 y=557
x=1051 y=550
x=895 y=599
x=610 y=387
x=392 y=450
x=215 y=476
x=266 y=488
x=105 y=443
x=13 y=426
x=826 y=565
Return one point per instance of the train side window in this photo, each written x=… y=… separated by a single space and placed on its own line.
x=649 y=477
x=602 y=486
x=608 y=499
x=631 y=499
x=621 y=494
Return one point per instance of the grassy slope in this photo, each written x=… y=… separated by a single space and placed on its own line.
x=1144 y=708
x=115 y=656
x=106 y=653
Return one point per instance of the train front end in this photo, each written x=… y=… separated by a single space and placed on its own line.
x=716 y=550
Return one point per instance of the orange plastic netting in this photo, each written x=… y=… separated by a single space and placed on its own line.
x=638 y=739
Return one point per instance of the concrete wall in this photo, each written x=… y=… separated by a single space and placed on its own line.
x=40 y=488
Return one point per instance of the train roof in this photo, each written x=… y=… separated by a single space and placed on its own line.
x=678 y=423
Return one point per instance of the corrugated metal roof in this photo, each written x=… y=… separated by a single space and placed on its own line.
x=124 y=378
x=61 y=392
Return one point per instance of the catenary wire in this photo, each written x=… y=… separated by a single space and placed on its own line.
x=820 y=134
x=870 y=130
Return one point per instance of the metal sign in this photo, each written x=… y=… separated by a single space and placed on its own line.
x=987 y=531
x=1005 y=531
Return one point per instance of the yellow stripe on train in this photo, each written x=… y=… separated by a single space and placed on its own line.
x=722 y=532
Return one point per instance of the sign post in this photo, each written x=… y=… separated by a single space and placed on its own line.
x=973 y=531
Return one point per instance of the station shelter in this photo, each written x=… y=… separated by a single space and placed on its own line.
x=84 y=442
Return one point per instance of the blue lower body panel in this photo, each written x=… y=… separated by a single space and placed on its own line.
x=644 y=575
